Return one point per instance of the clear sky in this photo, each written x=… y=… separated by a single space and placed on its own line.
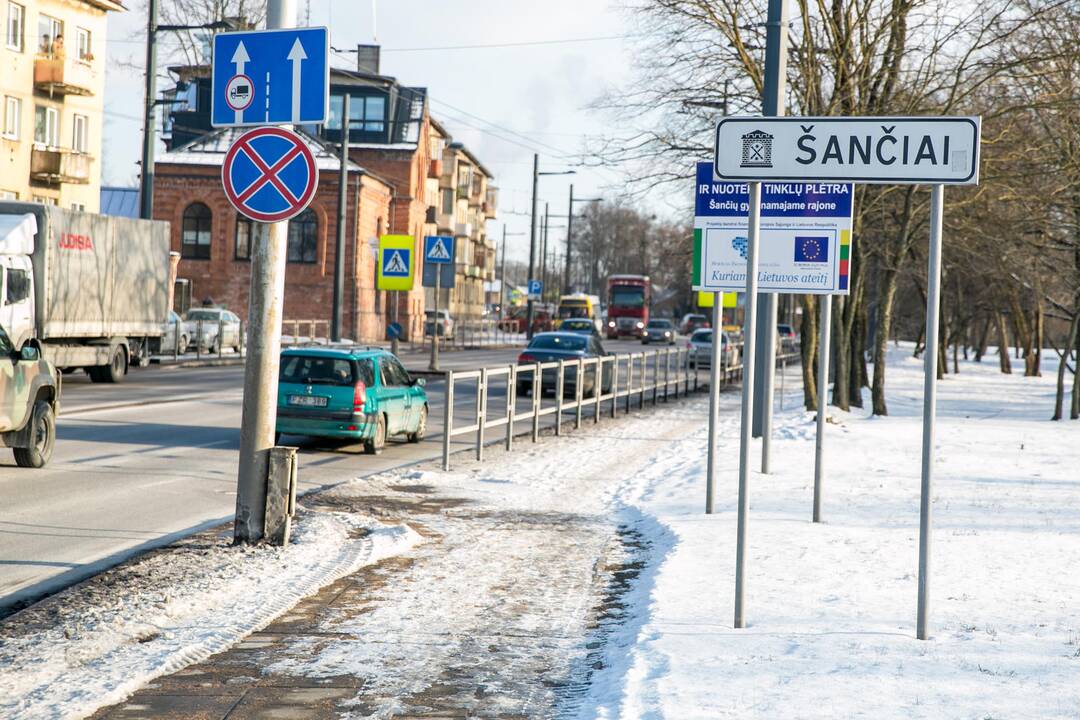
x=503 y=102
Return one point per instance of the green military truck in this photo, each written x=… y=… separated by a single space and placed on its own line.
x=29 y=402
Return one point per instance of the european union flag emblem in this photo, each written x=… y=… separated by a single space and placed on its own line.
x=811 y=249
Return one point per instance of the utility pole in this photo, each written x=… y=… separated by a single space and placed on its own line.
x=342 y=224
x=502 y=276
x=532 y=247
x=569 y=241
x=543 y=255
x=772 y=104
x=264 y=349
x=146 y=175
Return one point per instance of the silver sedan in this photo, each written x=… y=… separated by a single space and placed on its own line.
x=700 y=346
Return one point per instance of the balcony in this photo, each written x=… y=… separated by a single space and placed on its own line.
x=435 y=169
x=53 y=165
x=59 y=76
x=463 y=229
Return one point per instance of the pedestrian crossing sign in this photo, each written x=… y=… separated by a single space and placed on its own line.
x=395 y=268
x=439 y=249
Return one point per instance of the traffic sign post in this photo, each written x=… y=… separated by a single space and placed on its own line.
x=395 y=271
x=438 y=253
x=884 y=150
x=270 y=77
x=269 y=174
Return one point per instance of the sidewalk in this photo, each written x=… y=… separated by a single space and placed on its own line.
x=502 y=607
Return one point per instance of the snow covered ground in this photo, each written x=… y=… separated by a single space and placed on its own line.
x=509 y=603
x=98 y=641
x=831 y=607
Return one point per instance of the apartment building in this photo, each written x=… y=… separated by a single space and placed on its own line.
x=466 y=201
x=52 y=85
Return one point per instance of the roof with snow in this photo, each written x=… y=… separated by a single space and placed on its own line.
x=210 y=150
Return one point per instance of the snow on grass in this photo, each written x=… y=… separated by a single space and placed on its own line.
x=831 y=607
x=95 y=643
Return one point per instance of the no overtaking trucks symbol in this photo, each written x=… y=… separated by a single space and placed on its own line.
x=269 y=174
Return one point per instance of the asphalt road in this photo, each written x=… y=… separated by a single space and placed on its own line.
x=143 y=463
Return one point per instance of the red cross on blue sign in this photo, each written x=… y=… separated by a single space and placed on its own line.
x=269 y=174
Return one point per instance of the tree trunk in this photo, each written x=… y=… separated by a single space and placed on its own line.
x=1003 y=345
x=1040 y=328
x=809 y=349
x=842 y=343
x=888 y=280
x=1059 y=399
x=984 y=339
x=1075 y=411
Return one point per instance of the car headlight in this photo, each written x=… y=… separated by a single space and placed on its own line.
x=640 y=325
x=611 y=323
x=645 y=333
x=667 y=333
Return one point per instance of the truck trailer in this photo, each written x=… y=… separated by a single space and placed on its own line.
x=91 y=289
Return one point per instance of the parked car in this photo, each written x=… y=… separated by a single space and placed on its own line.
x=29 y=402
x=658 y=330
x=569 y=346
x=582 y=326
x=789 y=339
x=206 y=324
x=178 y=334
x=691 y=322
x=352 y=392
x=700 y=347
x=443 y=327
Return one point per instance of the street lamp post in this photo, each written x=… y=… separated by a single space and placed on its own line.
x=570 y=235
x=532 y=236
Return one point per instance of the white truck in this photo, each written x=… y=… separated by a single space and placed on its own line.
x=91 y=289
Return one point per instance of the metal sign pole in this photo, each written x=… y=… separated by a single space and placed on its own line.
x=264 y=343
x=822 y=406
x=714 y=398
x=435 y=324
x=930 y=359
x=750 y=328
x=768 y=386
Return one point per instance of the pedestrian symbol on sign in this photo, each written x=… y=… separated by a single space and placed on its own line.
x=438 y=250
x=396 y=263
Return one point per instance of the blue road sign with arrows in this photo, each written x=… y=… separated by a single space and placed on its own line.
x=271 y=77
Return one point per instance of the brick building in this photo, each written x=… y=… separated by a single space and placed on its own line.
x=215 y=241
x=392 y=138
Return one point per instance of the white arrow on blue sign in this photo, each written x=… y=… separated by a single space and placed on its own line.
x=271 y=77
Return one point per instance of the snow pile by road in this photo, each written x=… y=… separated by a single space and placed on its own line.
x=95 y=643
x=831 y=607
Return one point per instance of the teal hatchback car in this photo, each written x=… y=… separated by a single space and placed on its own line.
x=351 y=393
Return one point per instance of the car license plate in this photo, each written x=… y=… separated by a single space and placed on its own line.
x=308 y=400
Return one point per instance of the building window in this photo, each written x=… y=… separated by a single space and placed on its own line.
x=195 y=237
x=12 y=116
x=46 y=126
x=50 y=37
x=45 y=200
x=16 y=15
x=80 y=207
x=8 y=195
x=447 y=202
x=303 y=237
x=245 y=233
x=365 y=113
x=82 y=45
x=80 y=140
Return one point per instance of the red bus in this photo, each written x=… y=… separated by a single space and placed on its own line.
x=628 y=299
